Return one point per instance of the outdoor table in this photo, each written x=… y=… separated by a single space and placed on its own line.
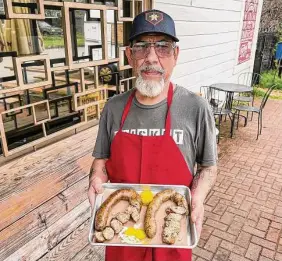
x=230 y=89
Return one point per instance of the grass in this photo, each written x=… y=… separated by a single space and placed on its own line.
x=259 y=92
x=52 y=41
x=269 y=78
x=276 y=94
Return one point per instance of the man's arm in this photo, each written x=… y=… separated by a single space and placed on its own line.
x=202 y=183
x=101 y=153
x=97 y=176
x=98 y=169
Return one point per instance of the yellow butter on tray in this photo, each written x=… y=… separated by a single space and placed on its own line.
x=146 y=197
x=138 y=233
x=133 y=235
x=130 y=231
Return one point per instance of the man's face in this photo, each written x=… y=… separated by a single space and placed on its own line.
x=152 y=65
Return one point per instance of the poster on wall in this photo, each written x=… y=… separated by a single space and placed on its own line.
x=248 y=29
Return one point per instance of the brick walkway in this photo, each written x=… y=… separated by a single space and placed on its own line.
x=243 y=218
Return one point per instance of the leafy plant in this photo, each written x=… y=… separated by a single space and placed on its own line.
x=269 y=78
x=259 y=92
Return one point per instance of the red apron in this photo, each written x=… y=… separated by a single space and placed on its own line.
x=147 y=160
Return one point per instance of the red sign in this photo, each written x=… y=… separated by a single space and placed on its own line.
x=249 y=24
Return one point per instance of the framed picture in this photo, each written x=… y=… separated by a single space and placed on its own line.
x=22 y=10
x=28 y=61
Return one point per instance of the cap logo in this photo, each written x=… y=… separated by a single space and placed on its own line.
x=154 y=17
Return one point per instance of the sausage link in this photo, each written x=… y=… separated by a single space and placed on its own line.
x=150 y=224
x=102 y=214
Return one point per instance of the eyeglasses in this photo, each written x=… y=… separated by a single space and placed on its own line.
x=163 y=49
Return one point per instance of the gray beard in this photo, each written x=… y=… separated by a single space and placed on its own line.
x=149 y=88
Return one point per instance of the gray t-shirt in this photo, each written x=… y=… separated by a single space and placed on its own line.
x=192 y=125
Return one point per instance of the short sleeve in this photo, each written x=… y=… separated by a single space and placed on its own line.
x=207 y=146
x=103 y=141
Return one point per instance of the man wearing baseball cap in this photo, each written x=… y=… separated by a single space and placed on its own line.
x=155 y=133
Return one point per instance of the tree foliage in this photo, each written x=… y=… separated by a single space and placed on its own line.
x=271 y=18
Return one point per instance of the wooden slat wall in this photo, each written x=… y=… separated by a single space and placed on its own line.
x=76 y=241
x=51 y=237
x=42 y=217
x=45 y=211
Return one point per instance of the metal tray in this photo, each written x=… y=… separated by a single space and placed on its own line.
x=192 y=237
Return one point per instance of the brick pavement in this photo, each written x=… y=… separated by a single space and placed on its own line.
x=243 y=218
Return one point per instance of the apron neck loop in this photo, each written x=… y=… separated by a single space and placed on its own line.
x=168 y=118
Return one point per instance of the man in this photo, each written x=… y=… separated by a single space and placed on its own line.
x=155 y=133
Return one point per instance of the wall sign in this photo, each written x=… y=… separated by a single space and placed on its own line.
x=249 y=24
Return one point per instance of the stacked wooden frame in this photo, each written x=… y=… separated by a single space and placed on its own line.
x=85 y=101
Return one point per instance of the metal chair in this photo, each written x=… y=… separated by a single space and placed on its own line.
x=205 y=92
x=253 y=109
x=221 y=105
x=249 y=79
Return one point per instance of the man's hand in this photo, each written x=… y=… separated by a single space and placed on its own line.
x=197 y=214
x=95 y=187
x=98 y=176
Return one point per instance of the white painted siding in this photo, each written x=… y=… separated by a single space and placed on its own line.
x=209 y=32
x=199 y=28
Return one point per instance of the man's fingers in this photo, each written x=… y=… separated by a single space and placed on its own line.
x=199 y=224
x=91 y=196
x=194 y=216
x=99 y=188
x=197 y=216
x=97 y=184
x=95 y=187
x=196 y=211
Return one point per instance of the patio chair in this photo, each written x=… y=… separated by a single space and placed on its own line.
x=253 y=109
x=220 y=102
x=249 y=79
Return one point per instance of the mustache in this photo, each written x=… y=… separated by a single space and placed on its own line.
x=151 y=68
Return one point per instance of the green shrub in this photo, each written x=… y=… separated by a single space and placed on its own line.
x=269 y=78
x=259 y=92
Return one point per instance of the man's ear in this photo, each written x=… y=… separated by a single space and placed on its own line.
x=129 y=56
x=176 y=53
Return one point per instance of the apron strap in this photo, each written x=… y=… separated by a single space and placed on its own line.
x=169 y=102
x=168 y=118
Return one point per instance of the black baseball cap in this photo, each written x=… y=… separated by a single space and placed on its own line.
x=153 y=21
